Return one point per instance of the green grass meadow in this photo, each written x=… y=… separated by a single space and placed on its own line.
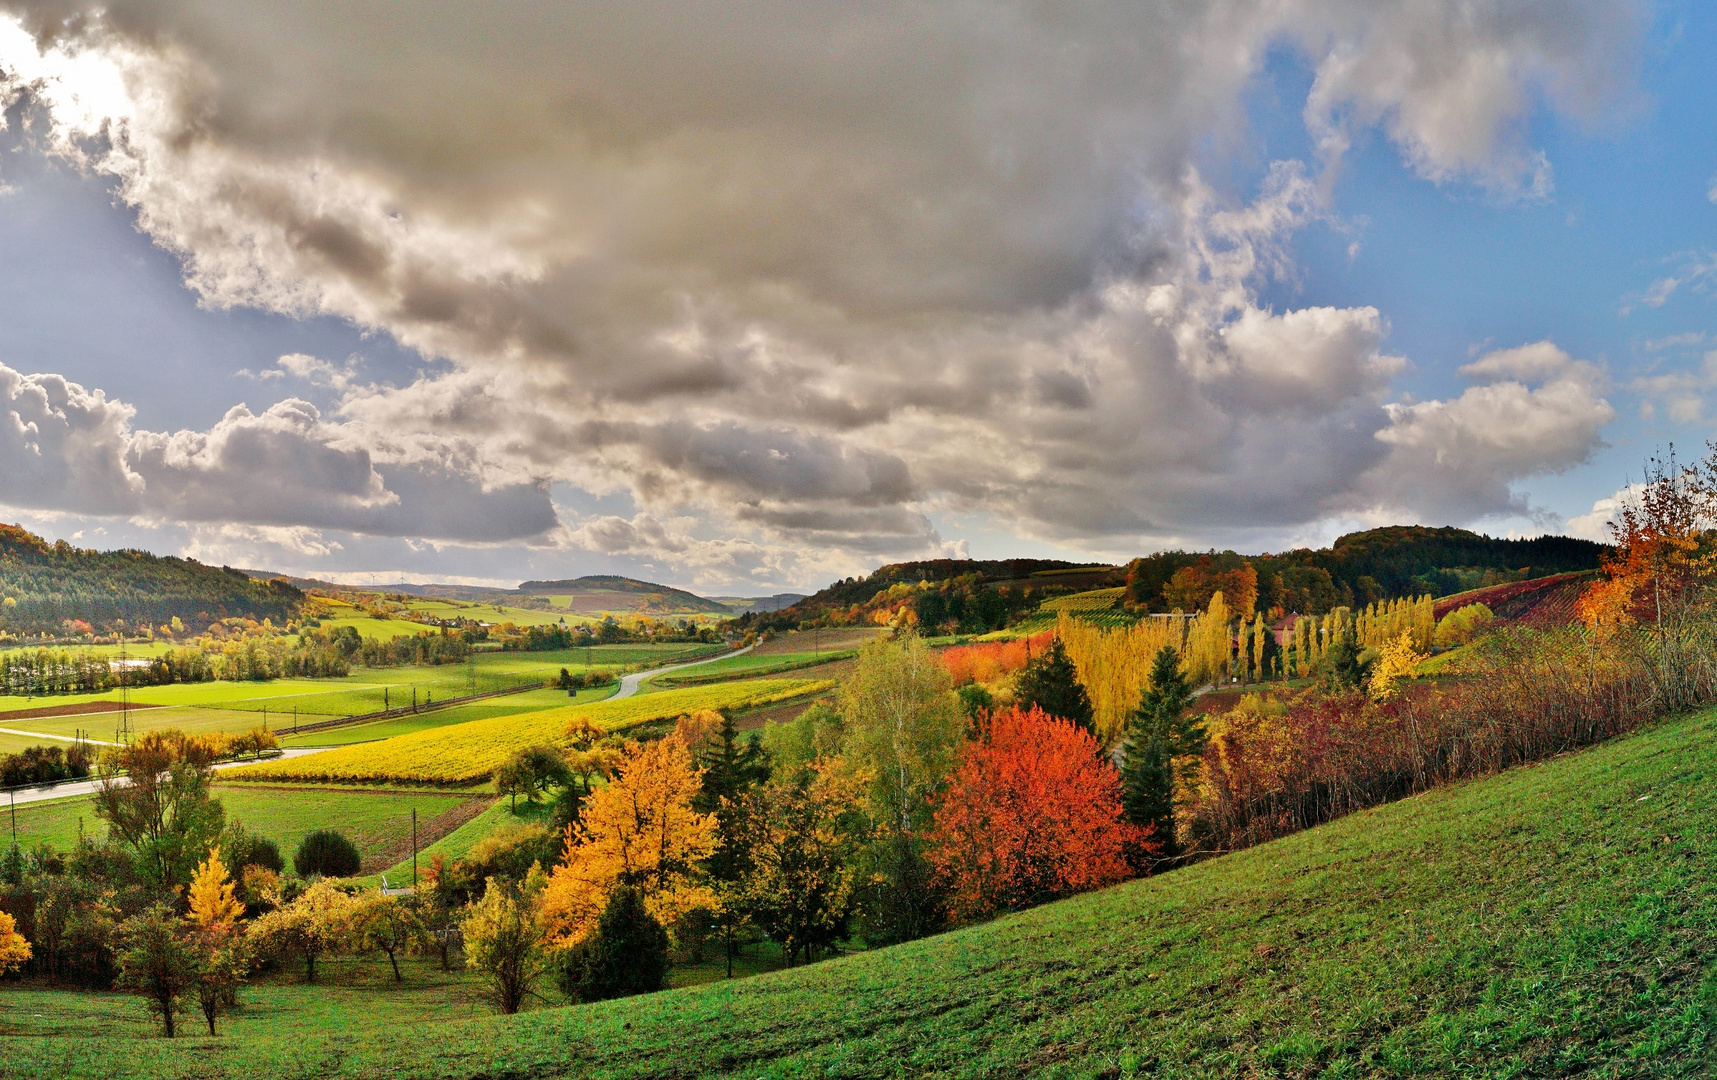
x=1558 y=920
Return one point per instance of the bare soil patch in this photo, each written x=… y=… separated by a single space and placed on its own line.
x=76 y=709
x=428 y=832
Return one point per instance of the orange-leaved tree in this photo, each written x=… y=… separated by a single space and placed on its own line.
x=639 y=831
x=1663 y=574
x=1032 y=814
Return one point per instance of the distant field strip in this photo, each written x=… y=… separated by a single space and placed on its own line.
x=468 y=753
x=1095 y=600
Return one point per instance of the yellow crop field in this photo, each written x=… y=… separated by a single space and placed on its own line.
x=467 y=753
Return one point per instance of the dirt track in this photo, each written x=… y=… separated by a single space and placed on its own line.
x=71 y=710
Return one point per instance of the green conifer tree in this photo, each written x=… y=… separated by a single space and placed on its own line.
x=1158 y=734
x=1050 y=682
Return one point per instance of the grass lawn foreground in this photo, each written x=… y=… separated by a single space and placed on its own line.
x=1560 y=919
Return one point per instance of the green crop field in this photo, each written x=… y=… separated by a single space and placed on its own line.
x=133 y=648
x=240 y=706
x=1558 y=920
x=378 y=821
x=469 y=752
x=750 y=664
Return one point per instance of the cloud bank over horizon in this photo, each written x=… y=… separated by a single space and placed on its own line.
x=777 y=286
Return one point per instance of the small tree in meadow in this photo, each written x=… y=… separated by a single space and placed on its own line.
x=504 y=945
x=317 y=922
x=223 y=961
x=387 y=924
x=158 y=961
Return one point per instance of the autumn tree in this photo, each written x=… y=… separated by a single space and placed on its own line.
x=222 y=963
x=1159 y=735
x=901 y=728
x=1050 y=682
x=211 y=895
x=1397 y=662
x=154 y=796
x=504 y=945
x=387 y=924
x=1191 y=587
x=1663 y=573
x=1031 y=815
x=317 y=922
x=14 y=949
x=802 y=882
x=642 y=831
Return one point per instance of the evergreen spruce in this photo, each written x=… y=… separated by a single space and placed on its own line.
x=1051 y=683
x=731 y=771
x=1158 y=734
x=628 y=953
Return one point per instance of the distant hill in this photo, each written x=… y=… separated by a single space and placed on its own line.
x=855 y=600
x=742 y=604
x=1377 y=564
x=597 y=593
x=45 y=585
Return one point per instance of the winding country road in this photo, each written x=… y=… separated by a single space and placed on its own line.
x=629 y=683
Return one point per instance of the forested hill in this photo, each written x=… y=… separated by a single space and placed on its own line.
x=46 y=585
x=1014 y=583
x=1359 y=568
x=1378 y=564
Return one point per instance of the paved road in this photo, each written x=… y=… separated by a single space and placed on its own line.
x=87 y=787
x=629 y=683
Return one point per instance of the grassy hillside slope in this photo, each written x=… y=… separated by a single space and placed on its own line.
x=1560 y=919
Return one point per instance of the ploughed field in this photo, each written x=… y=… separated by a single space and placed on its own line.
x=1559 y=919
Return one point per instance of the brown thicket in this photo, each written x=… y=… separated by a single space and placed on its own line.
x=1274 y=768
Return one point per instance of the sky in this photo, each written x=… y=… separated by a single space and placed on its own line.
x=749 y=297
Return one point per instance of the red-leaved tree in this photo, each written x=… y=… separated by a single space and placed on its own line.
x=1033 y=814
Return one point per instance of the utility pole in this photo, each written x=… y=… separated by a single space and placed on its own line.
x=123 y=735
x=414 y=849
x=13 y=793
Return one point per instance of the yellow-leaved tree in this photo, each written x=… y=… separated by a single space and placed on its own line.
x=1398 y=662
x=14 y=950
x=211 y=895
x=640 y=831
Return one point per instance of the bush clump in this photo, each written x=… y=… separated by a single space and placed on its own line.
x=628 y=953
x=326 y=853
